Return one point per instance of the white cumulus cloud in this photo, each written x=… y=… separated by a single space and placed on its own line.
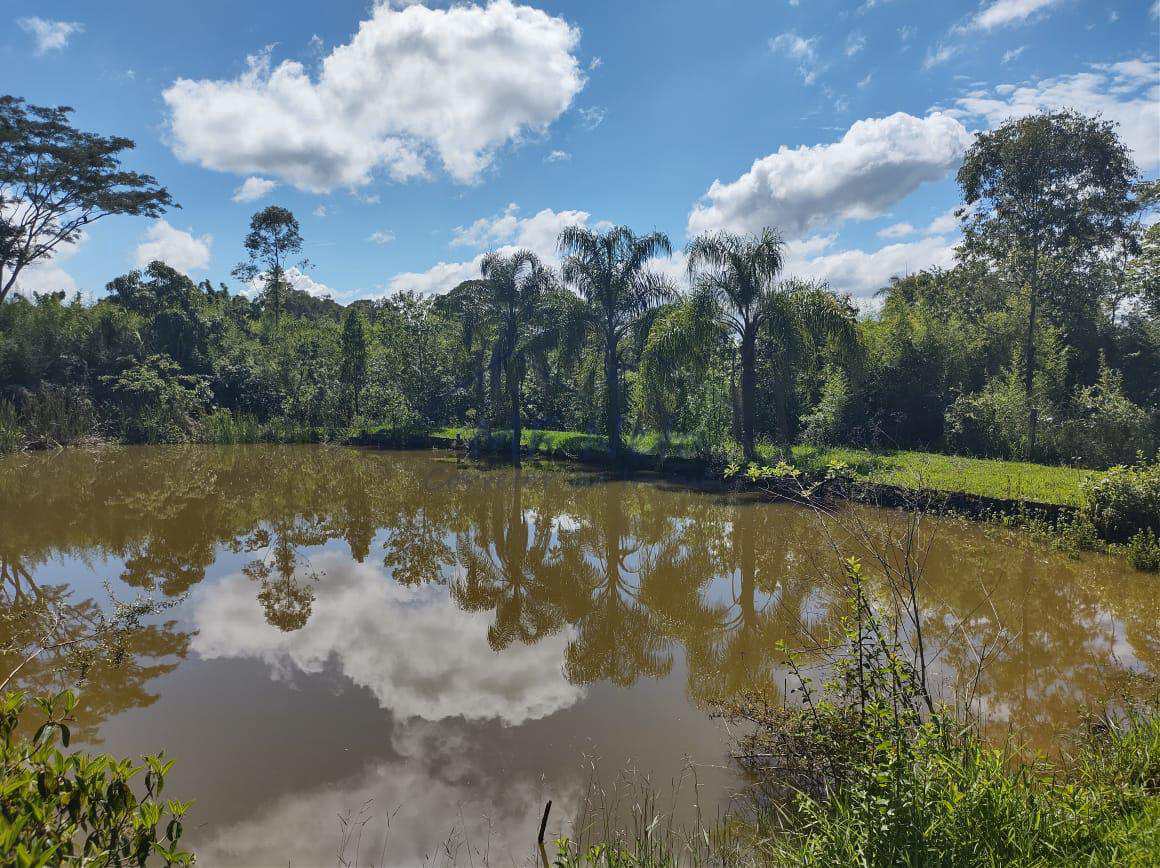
x=253 y=188
x=1127 y=93
x=381 y=237
x=175 y=247
x=878 y=162
x=861 y=272
x=49 y=35
x=505 y=232
x=944 y=224
x=411 y=85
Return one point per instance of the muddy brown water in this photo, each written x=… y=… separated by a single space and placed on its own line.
x=437 y=648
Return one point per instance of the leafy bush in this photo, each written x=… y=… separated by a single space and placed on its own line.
x=711 y=420
x=1143 y=551
x=839 y=416
x=227 y=429
x=385 y=406
x=157 y=402
x=1124 y=501
x=79 y=809
x=991 y=423
x=1102 y=426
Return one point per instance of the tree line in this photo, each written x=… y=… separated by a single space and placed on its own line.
x=1042 y=340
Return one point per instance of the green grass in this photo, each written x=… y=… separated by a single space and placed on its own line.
x=553 y=444
x=1006 y=480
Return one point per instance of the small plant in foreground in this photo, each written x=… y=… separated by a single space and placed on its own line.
x=870 y=769
x=79 y=809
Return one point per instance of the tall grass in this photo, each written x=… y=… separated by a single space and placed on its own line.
x=11 y=434
x=58 y=416
x=223 y=428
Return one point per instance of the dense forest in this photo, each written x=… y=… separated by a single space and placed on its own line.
x=1042 y=341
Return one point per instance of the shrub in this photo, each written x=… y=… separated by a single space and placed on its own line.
x=1103 y=427
x=839 y=416
x=79 y=809
x=227 y=429
x=1124 y=501
x=711 y=420
x=991 y=423
x=158 y=403
x=1143 y=551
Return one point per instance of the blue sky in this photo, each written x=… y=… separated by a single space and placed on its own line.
x=408 y=138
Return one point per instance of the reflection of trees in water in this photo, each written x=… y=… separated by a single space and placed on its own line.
x=282 y=570
x=509 y=565
x=770 y=584
x=618 y=638
x=633 y=569
x=1064 y=623
x=51 y=615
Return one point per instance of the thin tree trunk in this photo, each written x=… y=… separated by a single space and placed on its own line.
x=734 y=399
x=612 y=389
x=1029 y=357
x=748 y=386
x=517 y=430
x=780 y=392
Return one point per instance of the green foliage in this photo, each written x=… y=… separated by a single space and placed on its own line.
x=80 y=808
x=1143 y=551
x=991 y=422
x=11 y=432
x=1124 y=501
x=353 y=371
x=747 y=356
x=58 y=416
x=273 y=238
x=1103 y=427
x=620 y=294
x=60 y=180
x=158 y=403
x=839 y=415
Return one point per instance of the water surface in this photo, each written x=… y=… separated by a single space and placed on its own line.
x=401 y=634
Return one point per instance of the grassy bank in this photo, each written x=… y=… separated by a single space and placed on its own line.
x=1001 y=480
x=1004 y=480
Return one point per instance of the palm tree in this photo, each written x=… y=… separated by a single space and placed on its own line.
x=513 y=301
x=736 y=282
x=609 y=271
x=739 y=274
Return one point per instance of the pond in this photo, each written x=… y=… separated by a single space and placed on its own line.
x=439 y=647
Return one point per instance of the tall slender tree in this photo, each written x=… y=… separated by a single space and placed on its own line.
x=739 y=273
x=353 y=368
x=55 y=180
x=274 y=238
x=1056 y=186
x=610 y=272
